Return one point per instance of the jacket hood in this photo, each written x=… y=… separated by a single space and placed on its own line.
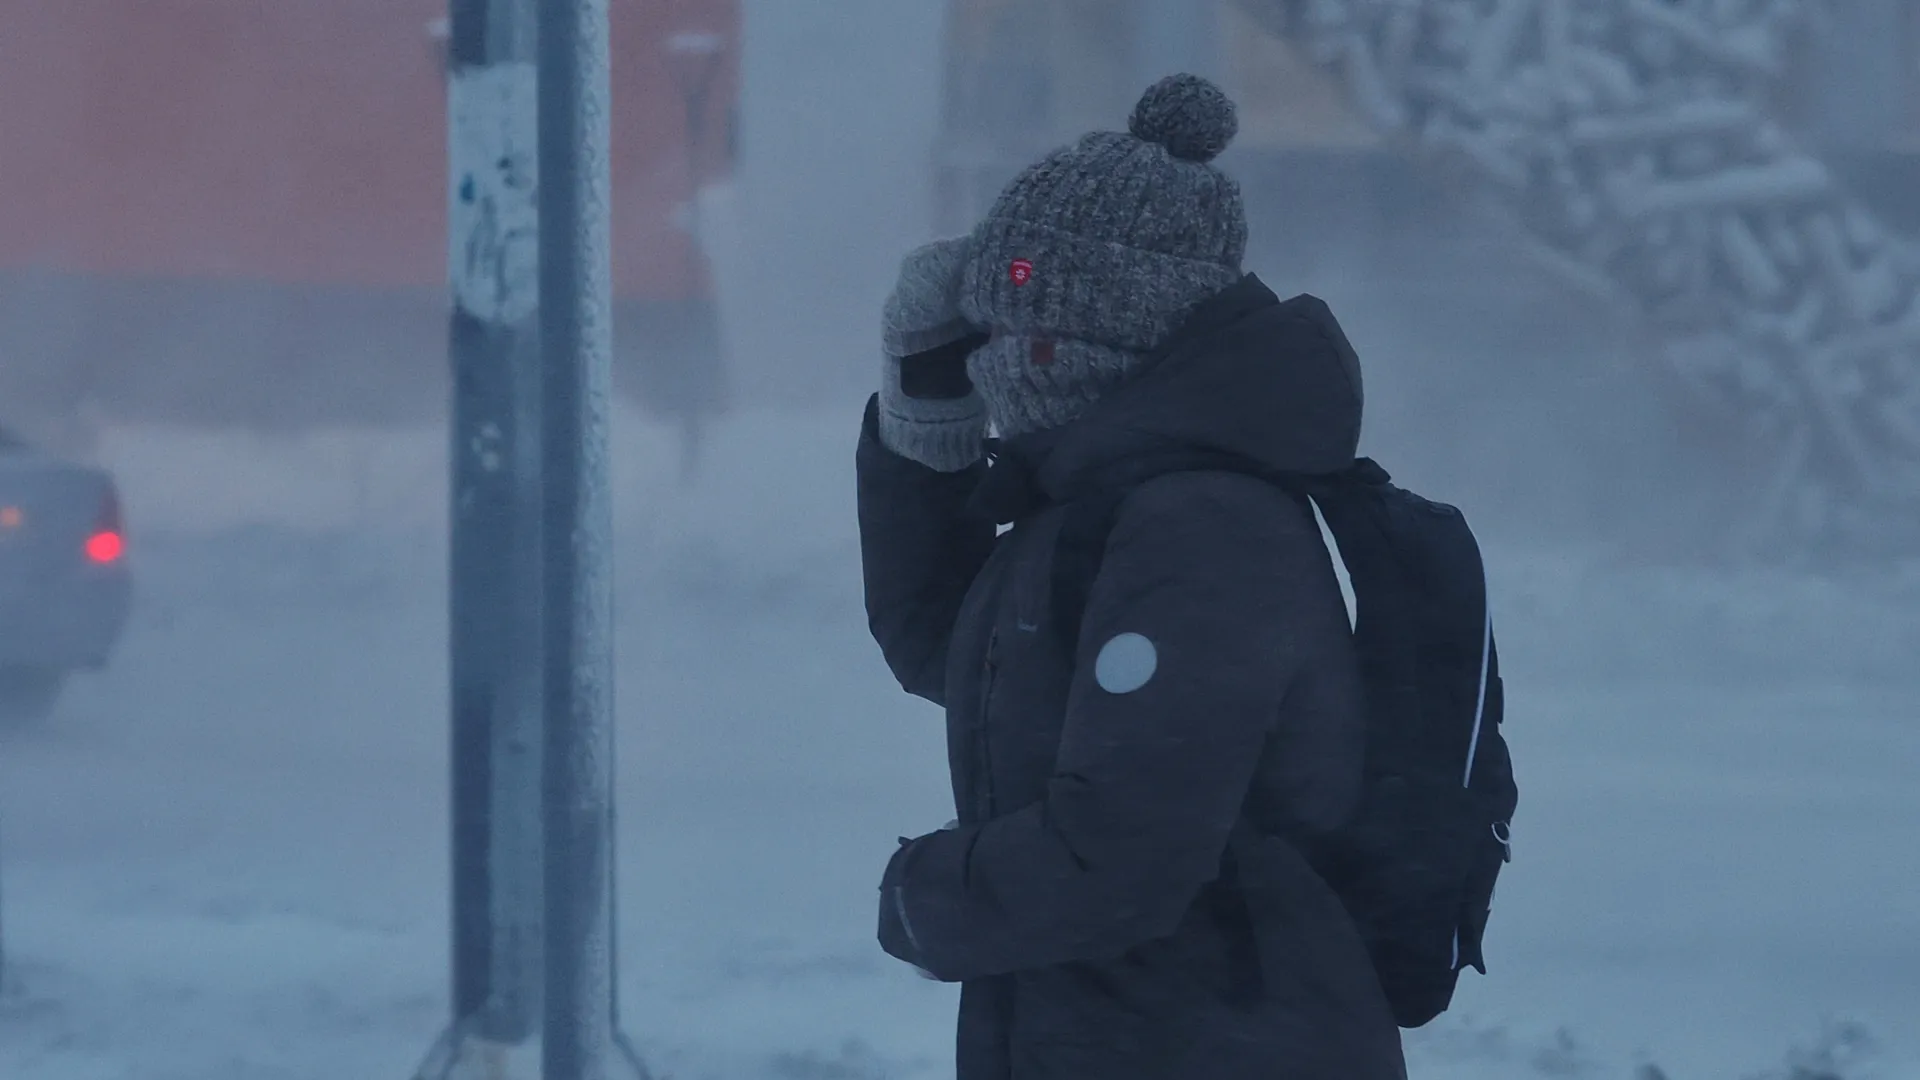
x=1275 y=383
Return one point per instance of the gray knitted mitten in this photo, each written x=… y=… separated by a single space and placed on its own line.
x=929 y=411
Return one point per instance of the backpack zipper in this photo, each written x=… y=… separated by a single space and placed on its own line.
x=1473 y=749
x=1480 y=704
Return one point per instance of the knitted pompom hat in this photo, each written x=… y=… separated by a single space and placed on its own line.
x=1091 y=258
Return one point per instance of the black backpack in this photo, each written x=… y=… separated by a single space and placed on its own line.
x=1416 y=864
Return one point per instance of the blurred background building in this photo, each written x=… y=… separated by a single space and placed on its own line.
x=232 y=215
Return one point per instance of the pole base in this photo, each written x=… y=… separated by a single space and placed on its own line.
x=460 y=1054
x=626 y=1060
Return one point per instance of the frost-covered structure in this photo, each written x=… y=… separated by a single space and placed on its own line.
x=1632 y=140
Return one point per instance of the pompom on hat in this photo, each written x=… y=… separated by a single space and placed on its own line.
x=1189 y=116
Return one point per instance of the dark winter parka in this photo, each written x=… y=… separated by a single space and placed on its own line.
x=1089 y=898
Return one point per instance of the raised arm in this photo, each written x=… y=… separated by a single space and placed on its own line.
x=922 y=452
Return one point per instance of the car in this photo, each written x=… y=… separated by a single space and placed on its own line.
x=65 y=587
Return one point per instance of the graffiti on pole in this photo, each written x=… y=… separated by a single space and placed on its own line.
x=493 y=205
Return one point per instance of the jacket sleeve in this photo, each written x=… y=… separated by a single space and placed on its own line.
x=919 y=554
x=1205 y=609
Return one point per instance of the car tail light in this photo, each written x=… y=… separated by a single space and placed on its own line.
x=108 y=543
x=105 y=547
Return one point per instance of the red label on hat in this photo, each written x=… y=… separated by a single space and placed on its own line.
x=1021 y=272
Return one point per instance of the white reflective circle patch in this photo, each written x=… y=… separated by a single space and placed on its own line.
x=1125 y=664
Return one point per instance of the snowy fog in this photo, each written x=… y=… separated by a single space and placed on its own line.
x=225 y=857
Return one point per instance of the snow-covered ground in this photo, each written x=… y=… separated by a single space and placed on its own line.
x=225 y=859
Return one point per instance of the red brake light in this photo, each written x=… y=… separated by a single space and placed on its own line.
x=105 y=547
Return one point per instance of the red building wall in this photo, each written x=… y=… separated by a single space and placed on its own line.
x=233 y=212
x=299 y=140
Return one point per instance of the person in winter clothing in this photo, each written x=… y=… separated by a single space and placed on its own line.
x=1089 y=897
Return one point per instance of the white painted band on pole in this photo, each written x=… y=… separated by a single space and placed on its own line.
x=493 y=211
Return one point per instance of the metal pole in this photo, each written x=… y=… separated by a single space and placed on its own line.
x=580 y=1039
x=3 y=957
x=493 y=600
